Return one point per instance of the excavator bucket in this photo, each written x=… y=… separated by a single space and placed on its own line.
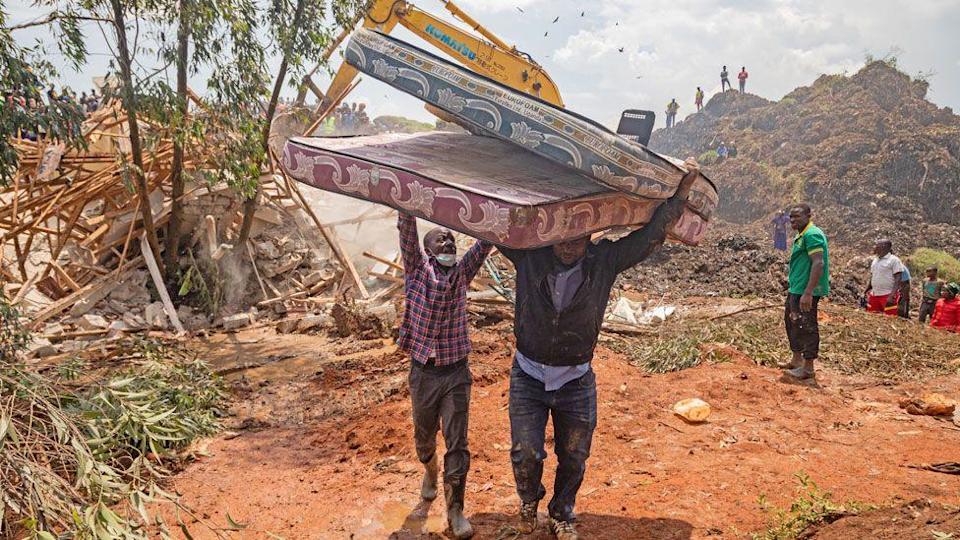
x=636 y=125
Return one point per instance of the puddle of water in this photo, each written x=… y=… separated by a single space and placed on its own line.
x=417 y=520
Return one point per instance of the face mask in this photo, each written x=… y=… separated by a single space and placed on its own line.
x=447 y=259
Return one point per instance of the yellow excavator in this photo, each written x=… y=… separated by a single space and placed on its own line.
x=485 y=53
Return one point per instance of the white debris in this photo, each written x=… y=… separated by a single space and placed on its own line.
x=630 y=312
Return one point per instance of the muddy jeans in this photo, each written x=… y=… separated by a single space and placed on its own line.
x=803 y=331
x=574 y=411
x=441 y=397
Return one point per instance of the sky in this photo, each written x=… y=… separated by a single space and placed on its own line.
x=669 y=47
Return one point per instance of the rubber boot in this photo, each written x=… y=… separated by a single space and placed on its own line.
x=458 y=523
x=794 y=363
x=428 y=489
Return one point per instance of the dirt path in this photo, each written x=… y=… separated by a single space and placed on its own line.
x=326 y=447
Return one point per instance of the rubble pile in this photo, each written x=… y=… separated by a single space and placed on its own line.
x=867 y=150
x=73 y=256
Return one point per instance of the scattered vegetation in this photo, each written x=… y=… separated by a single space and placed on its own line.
x=80 y=456
x=852 y=341
x=923 y=258
x=708 y=158
x=812 y=506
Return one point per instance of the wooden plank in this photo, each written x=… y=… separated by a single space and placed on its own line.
x=147 y=254
x=329 y=235
x=104 y=283
x=65 y=276
x=385 y=277
x=387 y=262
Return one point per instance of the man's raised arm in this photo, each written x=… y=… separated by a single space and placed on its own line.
x=409 y=243
x=474 y=257
x=641 y=243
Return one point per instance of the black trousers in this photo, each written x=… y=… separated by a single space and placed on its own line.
x=441 y=399
x=903 y=308
x=803 y=331
x=926 y=309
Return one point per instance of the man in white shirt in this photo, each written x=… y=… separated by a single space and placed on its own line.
x=886 y=276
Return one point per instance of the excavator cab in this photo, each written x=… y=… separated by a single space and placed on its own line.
x=636 y=125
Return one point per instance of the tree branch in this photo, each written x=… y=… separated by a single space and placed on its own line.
x=53 y=17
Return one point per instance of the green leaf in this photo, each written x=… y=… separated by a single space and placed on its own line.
x=233 y=525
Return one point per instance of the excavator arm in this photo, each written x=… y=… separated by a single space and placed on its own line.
x=487 y=55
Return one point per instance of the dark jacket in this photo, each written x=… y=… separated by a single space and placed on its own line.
x=568 y=337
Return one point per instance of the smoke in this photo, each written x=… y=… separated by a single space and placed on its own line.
x=374 y=229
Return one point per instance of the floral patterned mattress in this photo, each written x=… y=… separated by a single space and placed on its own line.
x=481 y=186
x=491 y=108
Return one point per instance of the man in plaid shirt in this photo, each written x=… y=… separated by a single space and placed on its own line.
x=434 y=334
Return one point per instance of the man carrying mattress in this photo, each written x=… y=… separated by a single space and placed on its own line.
x=561 y=296
x=434 y=333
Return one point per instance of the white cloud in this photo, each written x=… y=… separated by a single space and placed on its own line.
x=673 y=46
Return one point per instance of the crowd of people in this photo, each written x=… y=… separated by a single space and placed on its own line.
x=15 y=99
x=889 y=287
x=351 y=116
x=888 y=291
x=673 y=107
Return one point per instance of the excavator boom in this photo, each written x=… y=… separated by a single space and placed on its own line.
x=490 y=57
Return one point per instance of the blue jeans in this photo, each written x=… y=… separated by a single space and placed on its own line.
x=574 y=411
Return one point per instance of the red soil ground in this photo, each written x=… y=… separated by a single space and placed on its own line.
x=324 y=445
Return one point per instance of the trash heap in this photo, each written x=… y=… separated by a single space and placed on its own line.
x=868 y=150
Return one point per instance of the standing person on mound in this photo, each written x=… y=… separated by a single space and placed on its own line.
x=809 y=281
x=932 y=291
x=561 y=295
x=434 y=333
x=780 y=222
x=725 y=80
x=886 y=277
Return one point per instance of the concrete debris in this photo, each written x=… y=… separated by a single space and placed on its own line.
x=92 y=322
x=234 y=322
x=156 y=317
x=41 y=348
x=117 y=328
x=132 y=290
x=267 y=250
x=311 y=322
x=132 y=320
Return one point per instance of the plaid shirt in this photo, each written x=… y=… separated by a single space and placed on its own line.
x=435 y=318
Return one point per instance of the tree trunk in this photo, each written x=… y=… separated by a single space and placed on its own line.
x=250 y=205
x=130 y=104
x=171 y=254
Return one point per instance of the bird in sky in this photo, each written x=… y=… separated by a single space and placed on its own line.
x=582 y=13
x=620 y=49
x=557 y=19
x=520 y=10
x=617 y=23
x=545 y=33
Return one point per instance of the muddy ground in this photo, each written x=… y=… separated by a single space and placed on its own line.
x=319 y=444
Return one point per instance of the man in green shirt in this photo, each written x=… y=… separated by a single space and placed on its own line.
x=809 y=281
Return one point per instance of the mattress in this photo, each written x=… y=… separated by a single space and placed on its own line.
x=556 y=134
x=481 y=186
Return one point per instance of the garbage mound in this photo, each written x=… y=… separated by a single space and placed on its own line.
x=869 y=151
